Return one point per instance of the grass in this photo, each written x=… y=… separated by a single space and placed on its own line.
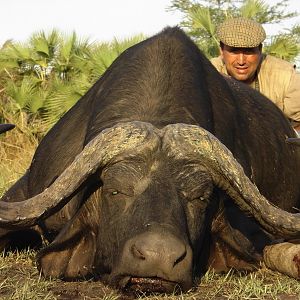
x=20 y=280
x=16 y=147
x=19 y=277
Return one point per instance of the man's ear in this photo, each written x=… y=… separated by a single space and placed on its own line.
x=221 y=53
x=221 y=47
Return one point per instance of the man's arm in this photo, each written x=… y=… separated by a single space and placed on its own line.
x=292 y=100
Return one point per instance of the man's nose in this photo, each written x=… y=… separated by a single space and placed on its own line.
x=241 y=58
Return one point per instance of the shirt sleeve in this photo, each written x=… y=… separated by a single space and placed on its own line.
x=292 y=99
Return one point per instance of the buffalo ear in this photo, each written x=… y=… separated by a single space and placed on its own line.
x=72 y=253
x=69 y=258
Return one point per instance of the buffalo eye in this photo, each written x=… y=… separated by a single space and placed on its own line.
x=114 y=192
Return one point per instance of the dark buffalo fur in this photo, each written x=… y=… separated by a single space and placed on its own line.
x=163 y=80
x=6 y=127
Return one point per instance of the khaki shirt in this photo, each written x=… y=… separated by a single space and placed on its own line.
x=278 y=80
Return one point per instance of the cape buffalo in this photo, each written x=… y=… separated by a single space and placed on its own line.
x=162 y=169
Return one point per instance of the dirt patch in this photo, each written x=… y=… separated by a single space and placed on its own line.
x=85 y=290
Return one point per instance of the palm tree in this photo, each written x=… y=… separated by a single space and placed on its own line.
x=47 y=75
x=103 y=54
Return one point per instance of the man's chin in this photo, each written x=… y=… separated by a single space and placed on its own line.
x=242 y=77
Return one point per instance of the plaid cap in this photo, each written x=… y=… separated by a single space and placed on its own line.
x=241 y=33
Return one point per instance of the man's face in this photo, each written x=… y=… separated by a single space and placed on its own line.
x=241 y=63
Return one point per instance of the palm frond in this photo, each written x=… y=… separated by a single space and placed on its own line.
x=22 y=92
x=103 y=54
x=37 y=101
x=254 y=9
x=118 y=46
x=42 y=47
x=61 y=97
x=100 y=60
x=282 y=47
x=201 y=18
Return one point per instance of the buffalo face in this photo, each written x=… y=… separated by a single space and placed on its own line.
x=145 y=221
x=148 y=229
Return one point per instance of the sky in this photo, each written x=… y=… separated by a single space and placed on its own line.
x=95 y=19
x=98 y=20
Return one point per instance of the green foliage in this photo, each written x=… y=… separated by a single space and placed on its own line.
x=48 y=74
x=202 y=17
x=283 y=47
x=103 y=54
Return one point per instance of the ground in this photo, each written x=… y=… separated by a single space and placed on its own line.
x=19 y=279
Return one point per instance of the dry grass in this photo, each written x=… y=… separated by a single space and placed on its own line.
x=16 y=146
x=19 y=279
x=16 y=151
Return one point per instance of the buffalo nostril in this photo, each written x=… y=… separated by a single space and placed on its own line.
x=137 y=253
x=180 y=258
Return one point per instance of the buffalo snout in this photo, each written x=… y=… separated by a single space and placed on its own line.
x=155 y=261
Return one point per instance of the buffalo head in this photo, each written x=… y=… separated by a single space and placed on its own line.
x=149 y=197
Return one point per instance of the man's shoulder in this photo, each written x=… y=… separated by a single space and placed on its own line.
x=216 y=60
x=275 y=63
x=218 y=64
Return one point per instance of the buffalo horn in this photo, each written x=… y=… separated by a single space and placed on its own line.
x=96 y=154
x=6 y=127
x=182 y=141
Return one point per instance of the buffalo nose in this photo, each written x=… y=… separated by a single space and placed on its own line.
x=158 y=254
x=157 y=249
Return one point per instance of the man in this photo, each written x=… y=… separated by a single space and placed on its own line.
x=241 y=58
